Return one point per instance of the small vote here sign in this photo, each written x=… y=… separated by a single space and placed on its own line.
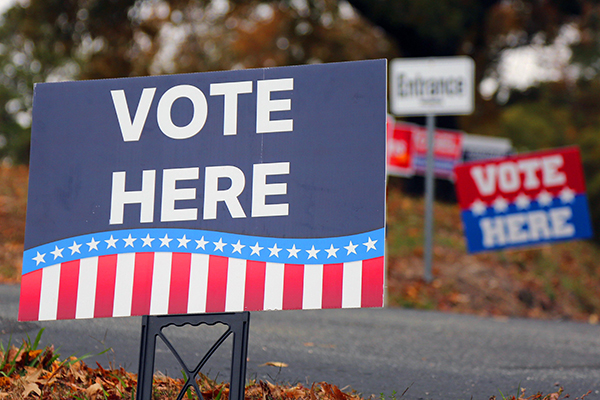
x=523 y=200
x=228 y=191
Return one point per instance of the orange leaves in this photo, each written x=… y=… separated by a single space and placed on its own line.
x=318 y=391
x=559 y=395
x=29 y=373
x=67 y=379
x=26 y=357
x=333 y=392
x=77 y=380
x=13 y=201
x=5 y=382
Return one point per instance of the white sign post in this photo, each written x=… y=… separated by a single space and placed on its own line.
x=430 y=87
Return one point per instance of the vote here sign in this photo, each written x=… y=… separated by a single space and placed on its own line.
x=228 y=191
x=523 y=200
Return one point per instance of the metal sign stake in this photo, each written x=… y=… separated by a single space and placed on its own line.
x=429 y=195
x=431 y=86
x=238 y=325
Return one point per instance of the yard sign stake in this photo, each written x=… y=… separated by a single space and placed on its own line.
x=430 y=87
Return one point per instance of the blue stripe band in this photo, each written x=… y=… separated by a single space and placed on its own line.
x=279 y=250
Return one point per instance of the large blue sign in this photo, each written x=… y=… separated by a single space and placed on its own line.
x=266 y=157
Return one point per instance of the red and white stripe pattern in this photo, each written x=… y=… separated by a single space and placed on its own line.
x=161 y=283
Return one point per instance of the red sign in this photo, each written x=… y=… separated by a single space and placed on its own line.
x=400 y=148
x=407 y=150
x=447 y=151
x=527 y=199
x=447 y=144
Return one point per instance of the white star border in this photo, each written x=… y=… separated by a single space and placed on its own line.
x=523 y=202
x=331 y=250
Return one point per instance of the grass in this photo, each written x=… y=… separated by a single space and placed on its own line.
x=558 y=281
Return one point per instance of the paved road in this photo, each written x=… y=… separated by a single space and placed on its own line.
x=435 y=355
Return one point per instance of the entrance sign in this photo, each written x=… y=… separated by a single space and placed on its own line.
x=523 y=200
x=228 y=191
x=439 y=86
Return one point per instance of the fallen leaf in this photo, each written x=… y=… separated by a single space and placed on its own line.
x=12 y=354
x=33 y=374
x=47 y=356
x=275 y=364
x=25 y=357
x=296 y=392
x=95 y=388
x=339 y=394
x=312 y=394
x=31 y=387
x=5 y=381
x=78 y=373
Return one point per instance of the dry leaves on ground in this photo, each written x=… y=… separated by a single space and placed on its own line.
x=74 y=379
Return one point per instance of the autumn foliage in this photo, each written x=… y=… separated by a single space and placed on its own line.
x=39 y=374
x=27 y=372
x=74 y=379
x=13 y=203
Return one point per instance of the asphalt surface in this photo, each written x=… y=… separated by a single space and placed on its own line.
x=429 y=355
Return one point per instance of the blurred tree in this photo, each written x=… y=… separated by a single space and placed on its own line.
x=427 y=28
x=194 y=36
x=481 y=29
x=49 y=40
x=563 y=108
x=549 y=97
x=54 y=40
